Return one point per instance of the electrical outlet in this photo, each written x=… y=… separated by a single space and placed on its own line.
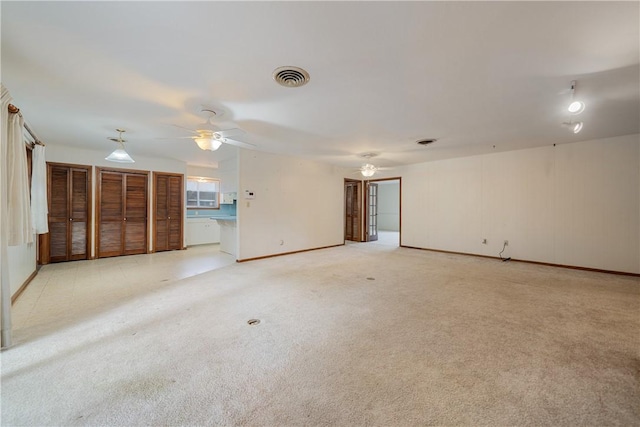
x=484 y=241
x=506 y=243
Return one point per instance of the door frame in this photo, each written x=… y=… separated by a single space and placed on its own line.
x=98 y=184
x=366 y=197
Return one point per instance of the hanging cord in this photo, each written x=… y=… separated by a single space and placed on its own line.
x=500 y=254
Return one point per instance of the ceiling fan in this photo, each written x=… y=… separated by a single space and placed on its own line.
x=368 y=170
x=210 y=137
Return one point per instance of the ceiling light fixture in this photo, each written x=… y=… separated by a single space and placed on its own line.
x=208 y=143
x=575 y=107
x=574 y=126
x=119 y=155
x=368 y=170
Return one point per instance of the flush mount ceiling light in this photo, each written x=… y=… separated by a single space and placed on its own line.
x=291 y=76
x=209 y=143
x=576 y=106
x=574 y=126
x=119 y=155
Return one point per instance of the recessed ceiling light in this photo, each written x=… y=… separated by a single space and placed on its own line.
x=291 y=76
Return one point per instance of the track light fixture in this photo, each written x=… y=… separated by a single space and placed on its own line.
x=574 y=126
x=575 y=107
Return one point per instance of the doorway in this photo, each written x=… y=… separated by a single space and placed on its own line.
x=372 y=211
x=383 y=211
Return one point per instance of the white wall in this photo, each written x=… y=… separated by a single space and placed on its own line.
x=297 y=202
x=74 y=155
x=22 y=264
x=203 y=172
x=389 y=205
x=574 y=204
x=228 y=174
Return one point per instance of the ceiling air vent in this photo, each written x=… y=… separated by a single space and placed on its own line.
x=426 y=141
x=291 y=76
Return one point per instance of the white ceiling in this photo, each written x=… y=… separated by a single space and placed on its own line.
x=477 y=76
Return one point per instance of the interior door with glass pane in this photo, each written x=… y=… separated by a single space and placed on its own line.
x=353 y=218
x=372 y=212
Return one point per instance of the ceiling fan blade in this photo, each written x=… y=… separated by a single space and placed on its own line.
x=177 y=137
x=225 y=133
x=238 y=143
x=190 y=130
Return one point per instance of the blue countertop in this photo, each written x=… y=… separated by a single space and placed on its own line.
x=213 y=217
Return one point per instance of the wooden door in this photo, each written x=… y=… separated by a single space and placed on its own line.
x=58 y=213
x=372 y=212
x=122 y=212
x=168 y=209
x=79 y=206
x=110 y=225
x=353 y=219
x=135 y=214
x=69 y=188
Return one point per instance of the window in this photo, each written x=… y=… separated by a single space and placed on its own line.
x=203 y=193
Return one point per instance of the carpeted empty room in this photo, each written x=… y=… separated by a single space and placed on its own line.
x=361 y=334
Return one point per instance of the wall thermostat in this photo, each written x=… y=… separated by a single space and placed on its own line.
x=249 y=194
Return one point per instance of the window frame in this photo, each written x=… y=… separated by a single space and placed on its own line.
x=198 y=180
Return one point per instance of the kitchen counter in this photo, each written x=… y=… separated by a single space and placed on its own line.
x=203 y=229
x=212 y=217
x=223 y=217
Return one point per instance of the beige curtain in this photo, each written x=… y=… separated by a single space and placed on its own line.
x=18 y=199
x=39 y=209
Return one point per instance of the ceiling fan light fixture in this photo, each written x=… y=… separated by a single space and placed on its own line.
x=368 y=170
x=210 y=144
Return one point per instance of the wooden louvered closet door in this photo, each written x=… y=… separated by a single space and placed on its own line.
x=69 y=188
x=168 y=211
x=122 y=209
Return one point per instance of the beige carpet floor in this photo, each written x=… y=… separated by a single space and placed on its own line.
x=355 y=335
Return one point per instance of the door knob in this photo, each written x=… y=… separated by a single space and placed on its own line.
x=70 y=219
x=125 y=219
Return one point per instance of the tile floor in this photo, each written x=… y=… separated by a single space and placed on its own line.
x=66 y=291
